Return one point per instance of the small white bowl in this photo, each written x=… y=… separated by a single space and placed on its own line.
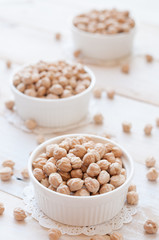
x=103 y=47
x=86 y=210
x=55 y=113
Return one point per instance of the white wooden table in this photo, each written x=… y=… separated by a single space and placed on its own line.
x=27 y=34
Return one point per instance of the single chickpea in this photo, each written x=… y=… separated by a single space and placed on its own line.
x=41 y=91
x=106 y=188
x=52 y=160
x=103 y=177
x=65 y=144
x=55 y=179
x=103 y=164
x=117 y=152
x=40 y=139
x=49 y=168
x=110 y=157
x=132 y=198
x=88 y=159
x=100 y=147
x=98 y=118
x=132 y=187
x=97 y=92
x=95 y=153
x=108 y=147
x=52 y=188
x=39 y=162
x=75 y=184
x=110 y=94
x=65 y=175
x=59 y=153
x=30 y=124
x=38 y=174
x=64 y=164
x=117 y=180
x=50 y=149
x=123 y=172
x=25 y=173
x=76 y=173
x=82 y=192
x=78 y=151
x=150 y=227
x=89 y=145
x=54 y=234
x=76 y=162
x=84 y=168
x=126 y=127
x=64 y=189
x=148 y=129
x=58 y=36
x=8 y=163
x=30 y=92
x=125 y=68
x=9 y=105
x=8 y=64
x=66 y=93
x=116 y=236
x=150 y=162
x=92 y=185
x=115 y=169
x=93 y=170
x=152 y=174
x=19 y=214
x=45 y=182
x=6 y=173
x=118 y=160
x=79 y=88
x=21 y=87
x=77 y=53
x=56 y=89
x=2 y=208
x=149 y=58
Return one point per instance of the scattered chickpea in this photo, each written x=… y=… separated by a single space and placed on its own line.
x=40 y=139
x=152 y=174
x=8 y=64
x=98 y=118
x=77 y=53
x=54 y=234
x=132 y=198
x=126 y=127
x=58 y=36
x=150 y=162
x=149 y=58
x=8 y=163
x=9 y=104
x=132 y=187
x=125 y=68
x=19 y=214
x=110 y=93
x=30 y=124
x=1 y=208
x=116 y=236
x=25 y=173
x=6 y=173
x=148 y=129
x=150 y=227
x=97 y=92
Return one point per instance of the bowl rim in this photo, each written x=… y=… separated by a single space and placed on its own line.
x=30 y=98
x=41 y=146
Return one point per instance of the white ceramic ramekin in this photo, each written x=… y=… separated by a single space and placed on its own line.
x=55 y=113
x=81 y=211
x=103 y=47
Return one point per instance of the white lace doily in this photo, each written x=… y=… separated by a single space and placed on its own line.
x=125 y=216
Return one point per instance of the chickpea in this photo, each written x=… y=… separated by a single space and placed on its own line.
x=125 y=68
x=150 y=227
x=65 y=144
x=25 y=173
x=150 y=162
x=103 y=164
x=88 y=159
x=65 y=175
x=93 y=170
x=108 y=147
x=110 y=94
x=59 y=153
x=77 y=173
x=82 y=192
x=117 y=180
x=45 y=182
x=110 y=157
x=126 y=127
x=75 y=184
x=39 y=162
x=78 y=151
x=76 y=162
x=52 y=188
x=98 y=118
x=117 y=152
x=19 y=214
x=8 y=64
x=100 y=148
x=56 y=89
x=115 y=169
x=21 y=87
x=1 y=208
x=58 y=36
x=95 y=153
x=149 y=58
x=50 y=149
x=92 y=185
x=8 y=163
x=132 y=198
x=54 y=234
x=103 y=177
x=132 y=187
x=97 y=92
x=31 y=124
x=89 y=145
x=52 y=160
x=148 y=129
x=49 y=168
x=64 y=164
x=30 y=92
x=55 y=179
x=116 y=236
x=6 y=173
x=64 y=189
x=77 y=53
x=106 y=188
x=123 y=172
x=152 y=174
x=9 y=105
x=38 y=174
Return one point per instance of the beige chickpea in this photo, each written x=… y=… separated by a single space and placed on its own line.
x=97 y=92
x=108 y=147
x=30 y=124
x=126 y=127
x=6 y=173
x=103 y=164
x=65 y=175
x=98 y=118
x=115 y=169
x=149 y=58
x=106 y=188
x=95 y=153
x=9 y=105
x=52 y=160
x=100 y=237
x=40 y=139
x=110 y=157
x=117 y=180
x=38 y=174
x=64 y=189
x=50 y=149
x=39 y=162
x=80 y=88
x=52 y=188
x=45 y=182
x=46 y=82
x=110 y=93
x=49 y=168
x=52 y=96
x=41 y=91
x=54 y=234
x=8 y=163
x=78 y=151
x=151 y=227
x=132 y=198
x=100 y=148
x=150 y=162
x=75 y=184
x=77 y=53
x=82 y=192
x=21 y=87
x=25 y=173
x=2 y=208
x=89 y=145
x=30 y=92
x=92 y=185
x=56 y=89
x=66 y=93
x=116 y=236
x=55 y=179
x=65 y=144
x=59 y=153
x=64 y=164
x=93 y=170
x=103 y=177
x=132 y=187
x=19 y=214
x=76 y=162
x=148 y=129
x=58 y=36
x=26 y=78
x=88 y=159
x=123 y=172
x=76 y=173
x=117 y=152
x=152 y=174
x=125 y=68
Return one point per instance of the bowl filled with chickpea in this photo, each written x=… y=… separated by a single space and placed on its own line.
x=104 y=34
x=80 y=179
x=54 y=94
